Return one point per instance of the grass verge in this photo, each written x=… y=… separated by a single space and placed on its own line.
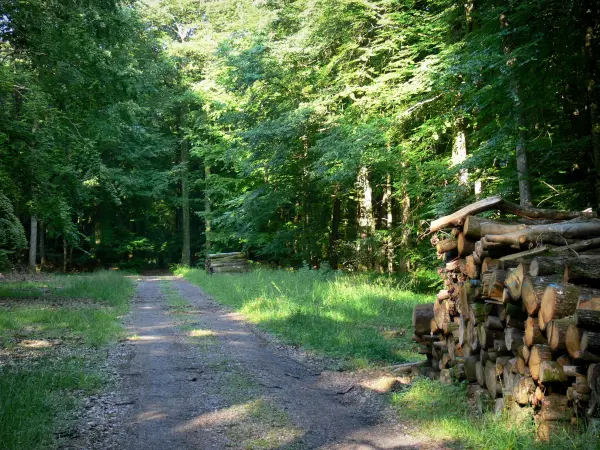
x=443 y=411
x=51 y=338
x=362 y=320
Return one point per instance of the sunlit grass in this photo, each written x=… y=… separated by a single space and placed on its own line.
x=335 y=314
x=443 y=411
x=73 y=317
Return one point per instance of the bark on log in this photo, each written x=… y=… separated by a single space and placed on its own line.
x=440 y=314
x=515 y=311
x=549 y=265
x=538 y=354
x=471 y=269
x=559 y=300
x=535 y=233
x=583 y=269
x=225 y=255
x=537 y=213
x=458 y=218
x=422 y=315
x=446 y=245
x=487 y=337
x=477 y=227
x=590 y=342
x=551 y=372
x=525 y=254
x=470 y=368
x=574 y=249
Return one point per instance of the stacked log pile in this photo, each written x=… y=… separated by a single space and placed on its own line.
x=235 y=262
x=519 y=315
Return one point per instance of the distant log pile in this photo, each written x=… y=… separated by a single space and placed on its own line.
x=235 y=262
x=519 y=315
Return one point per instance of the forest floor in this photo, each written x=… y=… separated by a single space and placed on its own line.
x=196 y=375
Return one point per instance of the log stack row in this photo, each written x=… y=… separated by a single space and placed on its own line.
x=519 y=315
x=235 y=262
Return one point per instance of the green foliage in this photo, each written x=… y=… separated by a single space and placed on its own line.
x=444 y=411
x=12 y=235
x=351 y=316
x=53 y=334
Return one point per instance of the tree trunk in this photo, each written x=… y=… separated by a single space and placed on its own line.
x=538 y=354
x=559 y=300
x=186 y=256
x=366 y=224
x=65 y=260
x=525 y=198
x=591 y=23
x=334 y=234
x=207 y=210
x=389 y=242
x=459 y=151
x=33 y=243
x=42 y=244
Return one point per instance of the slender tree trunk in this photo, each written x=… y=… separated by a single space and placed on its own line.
x=366 y=224
x=207 y=210
x=389 y=242
x=42 y=244
x=525 y=197
x=334 y=235
x=64 y=255
x=591 y=18
x=186 y=256
x=459 y=151
x=33 y=243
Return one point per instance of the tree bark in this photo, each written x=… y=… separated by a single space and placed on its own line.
x=186 y=256
x=33 y=243
x=559 y=300
x=422 y=315
x=207 y=210
x=389 y=242
x=42 y=227
x=334 y=234
x=366 y=223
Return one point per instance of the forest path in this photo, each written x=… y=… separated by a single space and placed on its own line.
x=201 y=378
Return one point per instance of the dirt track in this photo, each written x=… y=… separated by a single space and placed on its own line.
x=205 y=379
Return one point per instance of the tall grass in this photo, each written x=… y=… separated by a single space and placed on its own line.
x=72 y=317
x=444 y=411
x=350 y=316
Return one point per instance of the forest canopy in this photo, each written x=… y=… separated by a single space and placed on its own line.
x=147 y=133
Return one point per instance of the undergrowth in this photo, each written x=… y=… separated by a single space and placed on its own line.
x=51 y=336
x=443 y=411
x=362 y=319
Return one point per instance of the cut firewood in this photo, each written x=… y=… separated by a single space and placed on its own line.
x=446 y=245
x=513 y=337
x=575 y=249
x=585 y=269
x=465 y=247
x=523 y=390
x=555 y=408
x=458 y=218
x=533 y=334
x=551 y=372
x=557 y=332
x=559 y=300
x=538 y=354
x=549 y=265
x=573 y=341
x=533 y=290
x=422 y=315
x=491 y=379
x=557 y=233
x=590 y=342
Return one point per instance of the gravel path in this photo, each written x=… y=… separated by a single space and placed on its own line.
x=199 y=377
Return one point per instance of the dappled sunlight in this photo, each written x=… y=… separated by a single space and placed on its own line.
x=201 y=333
x=221 y=417
x=342 y=315
x=151 y=415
